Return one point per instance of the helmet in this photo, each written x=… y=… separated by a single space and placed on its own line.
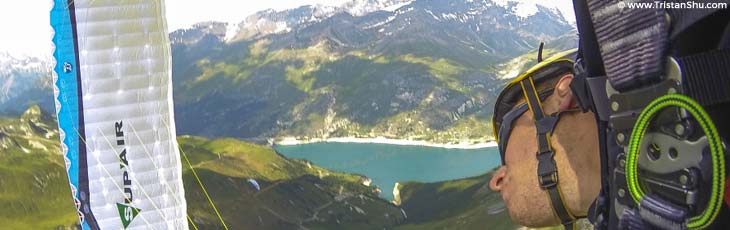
x=544 y=71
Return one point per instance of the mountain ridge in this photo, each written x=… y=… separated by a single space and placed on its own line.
x=429 y=70
x=422 y=70
x=24 y=81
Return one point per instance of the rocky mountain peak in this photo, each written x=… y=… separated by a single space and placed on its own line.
x=23 y=81
x=269 y=21
x=363 y=7
x=32 y=114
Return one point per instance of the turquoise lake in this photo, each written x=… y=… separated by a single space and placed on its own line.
x=387 y=164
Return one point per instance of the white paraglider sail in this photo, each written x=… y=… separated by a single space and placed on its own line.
x=113 y=94
x=255 y=184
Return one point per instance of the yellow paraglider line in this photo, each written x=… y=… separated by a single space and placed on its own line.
x=210 y=201
x=157 y=167
x=115 y=184
x=191 y=220
x=203 y=187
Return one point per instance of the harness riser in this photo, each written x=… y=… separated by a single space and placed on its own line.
x=629 y=72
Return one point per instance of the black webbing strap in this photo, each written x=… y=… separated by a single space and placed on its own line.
x=682 y=19
x=547 y=170
x=632 y=41
x=706 y=76
x=556 y=197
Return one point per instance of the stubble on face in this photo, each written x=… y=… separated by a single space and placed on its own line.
x=527 y=203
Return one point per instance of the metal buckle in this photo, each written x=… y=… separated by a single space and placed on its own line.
x=547 y=171
x=548 y=181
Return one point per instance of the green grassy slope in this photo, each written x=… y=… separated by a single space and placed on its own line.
x=294 y=194
x=34 y=188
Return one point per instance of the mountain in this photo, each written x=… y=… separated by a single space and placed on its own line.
x=270 y=21
x=34 y=189
x=404 y=69
x=23 y=82
x=422 y=69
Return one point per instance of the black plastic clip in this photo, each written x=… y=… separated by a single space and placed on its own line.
x=547 y=171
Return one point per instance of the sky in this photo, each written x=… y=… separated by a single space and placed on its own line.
x=26 y=29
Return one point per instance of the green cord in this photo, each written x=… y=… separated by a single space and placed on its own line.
x=718 y=162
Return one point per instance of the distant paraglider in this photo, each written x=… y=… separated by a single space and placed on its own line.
x=255 y=184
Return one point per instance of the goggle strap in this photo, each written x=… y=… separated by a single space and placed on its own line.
x=506 y=128
x=505 y=123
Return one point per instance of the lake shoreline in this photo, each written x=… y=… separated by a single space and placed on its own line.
x=383 y=140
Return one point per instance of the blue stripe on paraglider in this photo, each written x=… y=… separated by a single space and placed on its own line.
x=70 y=108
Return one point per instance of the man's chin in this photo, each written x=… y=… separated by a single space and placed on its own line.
x=531 y=220
x=516 y=217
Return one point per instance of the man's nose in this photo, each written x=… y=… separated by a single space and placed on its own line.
x=496 y=182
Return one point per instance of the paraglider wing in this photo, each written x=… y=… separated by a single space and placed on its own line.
x=112 y=84
x=255 y=184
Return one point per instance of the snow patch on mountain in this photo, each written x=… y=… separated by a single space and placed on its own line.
x=18 y=74
x=522 y=8
x=526 y=8
x=388 y=20
x=232 y=30
x=270 y=21
x=397 y=6
x=362 y=7
x=10 y=63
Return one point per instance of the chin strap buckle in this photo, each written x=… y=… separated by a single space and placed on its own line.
x=547 y=170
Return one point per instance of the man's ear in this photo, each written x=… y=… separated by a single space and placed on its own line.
x=565 y=94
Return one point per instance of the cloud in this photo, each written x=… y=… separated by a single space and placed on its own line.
x=26 y=28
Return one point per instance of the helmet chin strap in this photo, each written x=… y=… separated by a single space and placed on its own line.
x=547 y=170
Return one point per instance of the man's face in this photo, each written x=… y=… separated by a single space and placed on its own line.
x=575 y=144
x=517 y=181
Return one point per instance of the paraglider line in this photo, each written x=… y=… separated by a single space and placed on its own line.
x=203 y=187
x=210 y=201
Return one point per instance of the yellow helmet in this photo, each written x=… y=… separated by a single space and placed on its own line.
x=547 y=69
